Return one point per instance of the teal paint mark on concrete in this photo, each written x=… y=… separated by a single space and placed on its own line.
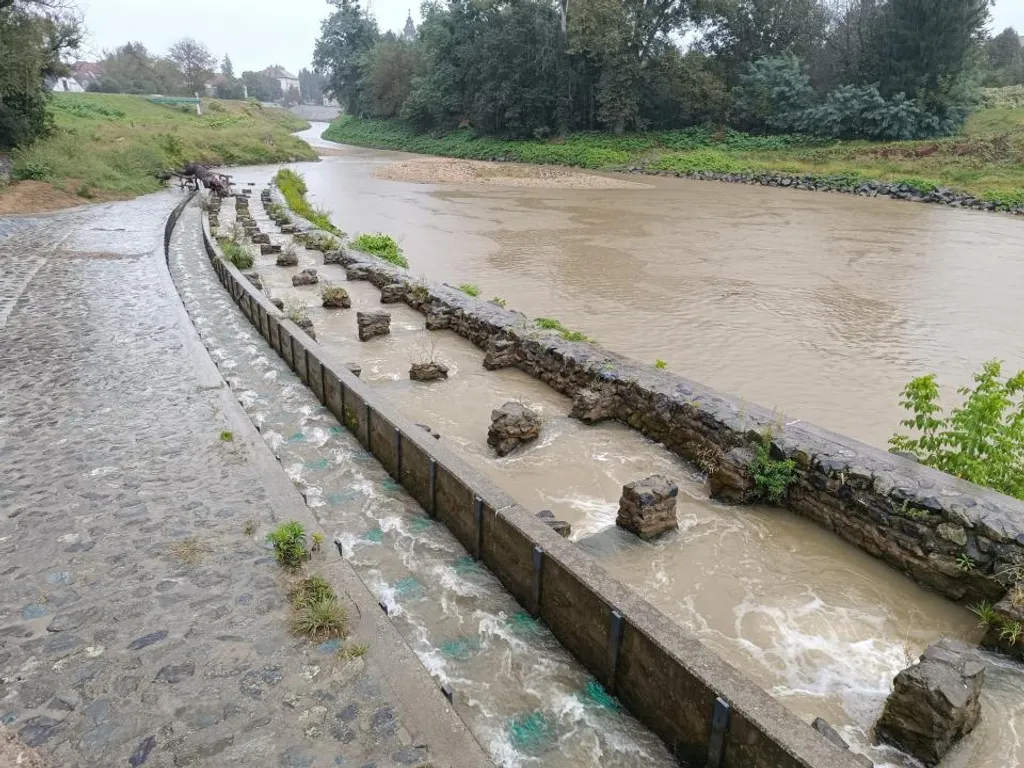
x=530 y=732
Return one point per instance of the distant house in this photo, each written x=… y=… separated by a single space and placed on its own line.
x=211 y=85
x=86 y=72
x=284 y=77
x=65 y=85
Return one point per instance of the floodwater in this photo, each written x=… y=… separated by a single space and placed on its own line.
x=782 y=303
x=821 y=305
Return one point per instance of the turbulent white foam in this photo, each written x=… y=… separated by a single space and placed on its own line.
x=247 y=397
x=274 y=439
x=451 y=581
x=823 y=660
x=494 y=626
x=598 y=513
x=317 y=436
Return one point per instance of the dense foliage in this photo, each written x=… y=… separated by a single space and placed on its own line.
x=34 y=34
x=981 y=440
x=876 y=69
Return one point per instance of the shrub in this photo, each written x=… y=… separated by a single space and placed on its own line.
x=469 y=289
x=980 y=440
x=289 y=542
x=382 y=246
x=772 y=477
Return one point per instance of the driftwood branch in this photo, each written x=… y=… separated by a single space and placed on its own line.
x=195 y=174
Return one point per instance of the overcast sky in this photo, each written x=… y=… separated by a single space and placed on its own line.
x=258 y=33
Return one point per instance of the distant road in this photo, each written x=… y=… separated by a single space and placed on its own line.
x=315 y=113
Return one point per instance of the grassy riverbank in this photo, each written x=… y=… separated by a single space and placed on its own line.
x=986 y=160
x=109 y=146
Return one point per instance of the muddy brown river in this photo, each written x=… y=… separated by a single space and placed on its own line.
x=821 y=305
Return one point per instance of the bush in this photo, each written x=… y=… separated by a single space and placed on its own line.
x=289 y=542
x=382 y=246
x=860 y=112
x=772 y=94
x=980 y=440
x=772 y=477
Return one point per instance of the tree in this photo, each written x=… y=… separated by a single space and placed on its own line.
x=745 y=30
x=930 y=43
x=391 y=67
x=131 y=69
x=262 y=86
x=346 y=38
x=194 y=62
x=621 y=37
x=1004 y=59
x=33 y=36
x=227 y=68
x=311 y=86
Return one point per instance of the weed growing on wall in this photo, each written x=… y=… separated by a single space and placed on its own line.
x=980 y=440
x=317 y=614
x=772 y=477
x=289 y=542
x=551 y=324
x=383 y=246
x=236 y=253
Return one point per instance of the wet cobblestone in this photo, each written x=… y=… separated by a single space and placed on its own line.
x=113 y=650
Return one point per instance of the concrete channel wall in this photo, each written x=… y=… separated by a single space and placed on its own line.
x=707 y=712
x=952 y=536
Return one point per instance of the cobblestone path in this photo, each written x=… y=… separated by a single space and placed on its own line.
x=140 y=622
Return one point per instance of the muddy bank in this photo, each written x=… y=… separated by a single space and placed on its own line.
x=441 y=170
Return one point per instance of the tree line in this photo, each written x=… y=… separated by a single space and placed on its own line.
x=36 y=36
x=878 y=69
x=187 y=68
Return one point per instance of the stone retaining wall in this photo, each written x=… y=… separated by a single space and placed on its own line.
x=843 y=185
x=707 y=712
x=947 y=534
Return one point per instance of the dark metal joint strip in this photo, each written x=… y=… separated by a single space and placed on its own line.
x=538 y=564
x=478 y=516
x=719 y=727
x=614 y=645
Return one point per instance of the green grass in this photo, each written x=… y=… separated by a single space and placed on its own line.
x=293 y=187
x=236 y=253
x=551 y=324
x=114 y=146
x=469 y=289
x=985 y=160
x=383 y=246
